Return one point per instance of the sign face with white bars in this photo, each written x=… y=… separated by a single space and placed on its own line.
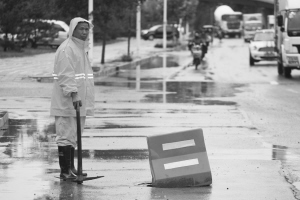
x=179 y=159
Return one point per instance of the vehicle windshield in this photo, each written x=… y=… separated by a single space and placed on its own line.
x=253 y=26
x=232 y=17
x=264 y=36
x=294 y=20
x=153 y=28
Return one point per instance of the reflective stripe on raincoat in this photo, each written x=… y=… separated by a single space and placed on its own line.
x=72 y=73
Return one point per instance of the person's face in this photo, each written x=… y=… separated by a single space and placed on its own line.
x=81 y=31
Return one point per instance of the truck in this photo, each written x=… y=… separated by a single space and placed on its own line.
x=251 y=23
x=287 y=35
x=229 y=21
x=271 y=21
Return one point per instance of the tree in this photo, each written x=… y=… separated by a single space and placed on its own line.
x=66 y=10
x=176 y=10
x=109 y=12
x=152 y=13
x=188 y=10
x=37 y=11
x=130 y=19
x=11 y=16
x=203 y=15
x=21 y=18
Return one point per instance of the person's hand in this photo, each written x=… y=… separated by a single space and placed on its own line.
x=76 y=100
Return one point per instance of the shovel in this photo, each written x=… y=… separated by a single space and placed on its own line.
x=80 y=178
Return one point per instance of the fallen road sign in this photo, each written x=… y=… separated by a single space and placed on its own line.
x=179 y=159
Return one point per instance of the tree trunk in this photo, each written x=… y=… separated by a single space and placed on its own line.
x=128 y=47
x=103 y=48
x=129 y=35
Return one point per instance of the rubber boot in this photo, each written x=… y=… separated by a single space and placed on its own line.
x=64 y=154
x=74 y=171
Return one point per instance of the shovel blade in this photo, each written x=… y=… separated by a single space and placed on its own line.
x=80 y=179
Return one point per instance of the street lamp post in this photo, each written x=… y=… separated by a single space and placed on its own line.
x=91 y=33
x=165 y=26
x=165 y=48
x=138 y=27
x=138 y=43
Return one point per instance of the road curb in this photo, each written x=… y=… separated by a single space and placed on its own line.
x=179 y=70
x=102 y=70
x=3 y=118
x=110 y=69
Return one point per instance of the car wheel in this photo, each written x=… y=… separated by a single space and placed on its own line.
x=251 y=60
x=287 y=72
x=151 y=37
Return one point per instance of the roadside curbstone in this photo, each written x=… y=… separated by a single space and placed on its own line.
x=110 y=69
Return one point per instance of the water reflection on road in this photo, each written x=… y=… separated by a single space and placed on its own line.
x=29 y=159
x=183 y=92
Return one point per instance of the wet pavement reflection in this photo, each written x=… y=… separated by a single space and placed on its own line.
x=285 y=154
x=157 y=62
x=183 y=92
x=29 y=152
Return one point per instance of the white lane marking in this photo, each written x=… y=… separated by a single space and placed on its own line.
x=181 y=164
x=274 y=83
x=177 y=145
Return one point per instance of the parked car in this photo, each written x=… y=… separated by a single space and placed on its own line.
x=53 y=37
x=157 y=32
x=262 y=47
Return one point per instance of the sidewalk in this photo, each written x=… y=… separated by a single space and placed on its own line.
x=18 y=68
x=113 y=57
x=39 y=67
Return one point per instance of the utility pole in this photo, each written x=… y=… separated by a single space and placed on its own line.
x=138 y=43
x=165 y=55
x=91 y=33
x=138 y=28
x=165 y=26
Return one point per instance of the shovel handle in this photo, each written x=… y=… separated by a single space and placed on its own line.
x=79 y=148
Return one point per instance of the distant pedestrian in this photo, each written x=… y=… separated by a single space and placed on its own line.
x=73 y=87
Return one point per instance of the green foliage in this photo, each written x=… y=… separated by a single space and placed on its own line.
x=112 y=18
x=66 y=10
x=11 y=15
x=203 y=15
x=152 y=13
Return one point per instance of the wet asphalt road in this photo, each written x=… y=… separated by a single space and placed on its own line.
x=248 y=114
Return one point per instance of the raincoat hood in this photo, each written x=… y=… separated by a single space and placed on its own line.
x=73 y=25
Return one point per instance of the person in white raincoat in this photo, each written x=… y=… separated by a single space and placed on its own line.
x=73 y=85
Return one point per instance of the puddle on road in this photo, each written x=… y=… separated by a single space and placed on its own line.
x=157 y=62
x=120 y=154
x=171 y=91
x=183 y=92
x=23 y=138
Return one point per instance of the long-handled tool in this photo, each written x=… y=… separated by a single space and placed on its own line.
x=80 y=178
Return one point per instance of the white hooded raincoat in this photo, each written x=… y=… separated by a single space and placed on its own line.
x=72 y=73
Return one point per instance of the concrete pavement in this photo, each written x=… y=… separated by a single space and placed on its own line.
x=114 y=141
x=39 y=67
